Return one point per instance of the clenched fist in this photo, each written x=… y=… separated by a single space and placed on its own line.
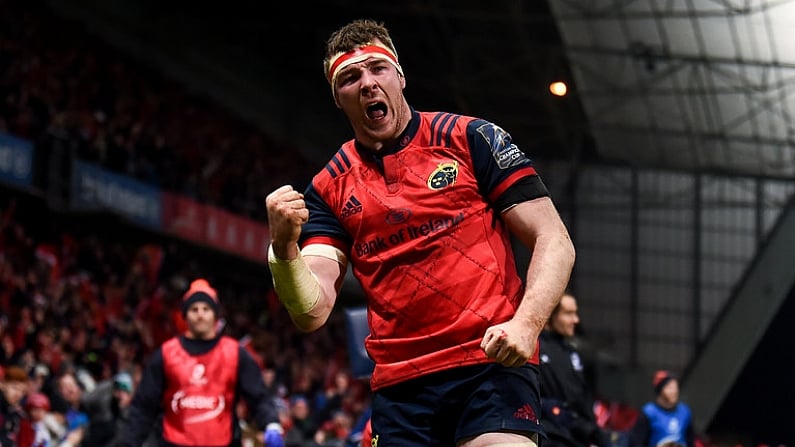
x=286 y=213
x=509 y=344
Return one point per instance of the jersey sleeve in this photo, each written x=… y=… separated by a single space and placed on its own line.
x=505 y=174
x=323 y=226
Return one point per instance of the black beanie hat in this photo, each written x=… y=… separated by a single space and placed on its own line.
x=200 y=290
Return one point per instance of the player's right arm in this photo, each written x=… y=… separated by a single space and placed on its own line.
x=307 y=283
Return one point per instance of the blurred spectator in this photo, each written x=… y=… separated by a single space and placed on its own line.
x=335 y=431
x=336 y=394
x=361 y=432
x=616 y=417
x=123 y=389
x=566 y=399
x=35 y=432
x=13 y=387
x=106 y=406
x=302 y=427
x=74 y=419
x=665 y=421
x=39 y=379
x=273 y=382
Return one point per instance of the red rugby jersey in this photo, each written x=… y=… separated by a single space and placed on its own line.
x=423 y=239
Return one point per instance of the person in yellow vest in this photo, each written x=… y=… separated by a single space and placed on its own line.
x=193 y=382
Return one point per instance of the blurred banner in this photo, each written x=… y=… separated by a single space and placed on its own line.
x=16 y=161
x=217 y=228
x=95 y=189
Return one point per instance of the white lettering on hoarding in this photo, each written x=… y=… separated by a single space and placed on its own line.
x=114 y=195
x=14 y=161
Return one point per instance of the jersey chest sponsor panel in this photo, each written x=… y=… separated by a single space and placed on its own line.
x=199 y=393
x=409 y=228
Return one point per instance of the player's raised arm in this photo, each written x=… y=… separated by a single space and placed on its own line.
x=306 y=285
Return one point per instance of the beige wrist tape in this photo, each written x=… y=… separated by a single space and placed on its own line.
x=297 y=287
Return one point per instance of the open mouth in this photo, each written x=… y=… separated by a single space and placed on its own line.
x=376 y=111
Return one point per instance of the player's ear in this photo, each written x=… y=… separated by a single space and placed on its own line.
x=402 y=81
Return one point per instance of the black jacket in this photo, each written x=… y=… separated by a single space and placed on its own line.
x=10 y=420
x=566 y=399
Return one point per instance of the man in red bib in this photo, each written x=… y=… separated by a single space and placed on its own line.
x=195 y=380
x=421 y=206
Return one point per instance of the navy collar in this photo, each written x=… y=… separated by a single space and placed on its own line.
x=405 y=138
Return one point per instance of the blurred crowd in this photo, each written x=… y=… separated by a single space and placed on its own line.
x=80 y=312
x=81 y=307
x=66 y=90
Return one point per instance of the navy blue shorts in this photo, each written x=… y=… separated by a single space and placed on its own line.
x=449 y=406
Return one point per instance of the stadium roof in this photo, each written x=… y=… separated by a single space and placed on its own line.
x=702 y=85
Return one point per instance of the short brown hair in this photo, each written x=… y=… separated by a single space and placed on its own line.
x=15 y=374
x=353 y=35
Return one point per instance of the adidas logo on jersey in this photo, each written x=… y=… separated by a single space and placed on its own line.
x=352 y=206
